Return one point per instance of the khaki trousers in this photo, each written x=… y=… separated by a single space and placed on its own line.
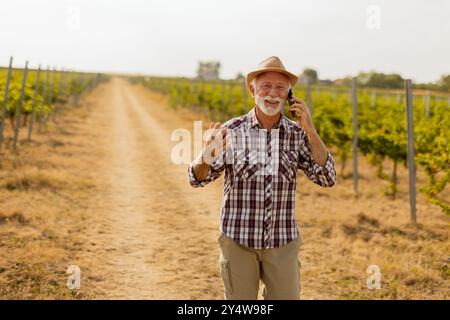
x=242 y=268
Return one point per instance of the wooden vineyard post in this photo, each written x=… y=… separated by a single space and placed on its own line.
x=33 y=112
x=58 y=91
x=355 y=134
x=44 y=95
x=50 y=98
x=62 y=84
x=5 y=101
x=411 y=165
x=19 y=106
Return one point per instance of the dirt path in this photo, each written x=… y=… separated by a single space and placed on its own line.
x=153 y=236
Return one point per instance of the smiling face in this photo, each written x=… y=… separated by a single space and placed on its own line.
x=270 y=90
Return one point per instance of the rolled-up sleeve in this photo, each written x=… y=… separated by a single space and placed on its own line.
x=324 y=176
x=214 y=172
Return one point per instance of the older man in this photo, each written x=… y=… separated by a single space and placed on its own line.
x=263 y=150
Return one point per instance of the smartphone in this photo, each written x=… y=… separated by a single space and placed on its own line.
x=289 y=97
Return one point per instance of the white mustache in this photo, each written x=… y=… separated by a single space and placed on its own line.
x=270 y=99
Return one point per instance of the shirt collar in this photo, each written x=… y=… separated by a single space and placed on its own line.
x=253 y=120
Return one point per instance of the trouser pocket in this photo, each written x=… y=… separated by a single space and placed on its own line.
x=299 y=277
x=226 y=277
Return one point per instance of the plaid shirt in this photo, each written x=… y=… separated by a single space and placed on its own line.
x=258 y=207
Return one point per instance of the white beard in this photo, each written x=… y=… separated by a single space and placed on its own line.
x=268 y=110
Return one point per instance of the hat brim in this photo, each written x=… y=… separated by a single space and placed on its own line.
x=252 y=75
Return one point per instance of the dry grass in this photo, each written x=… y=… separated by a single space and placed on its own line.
x=345 y=234
x=42 y=190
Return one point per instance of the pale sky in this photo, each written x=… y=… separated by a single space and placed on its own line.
x=169 y=37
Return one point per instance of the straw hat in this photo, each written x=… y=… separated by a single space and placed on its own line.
x=271 y=64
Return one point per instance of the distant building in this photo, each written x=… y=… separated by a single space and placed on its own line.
x=208 y=70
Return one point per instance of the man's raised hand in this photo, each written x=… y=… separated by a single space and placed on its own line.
x=216 y=143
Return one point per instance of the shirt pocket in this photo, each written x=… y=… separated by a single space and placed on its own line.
x=287 y=165
x=246 y=164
